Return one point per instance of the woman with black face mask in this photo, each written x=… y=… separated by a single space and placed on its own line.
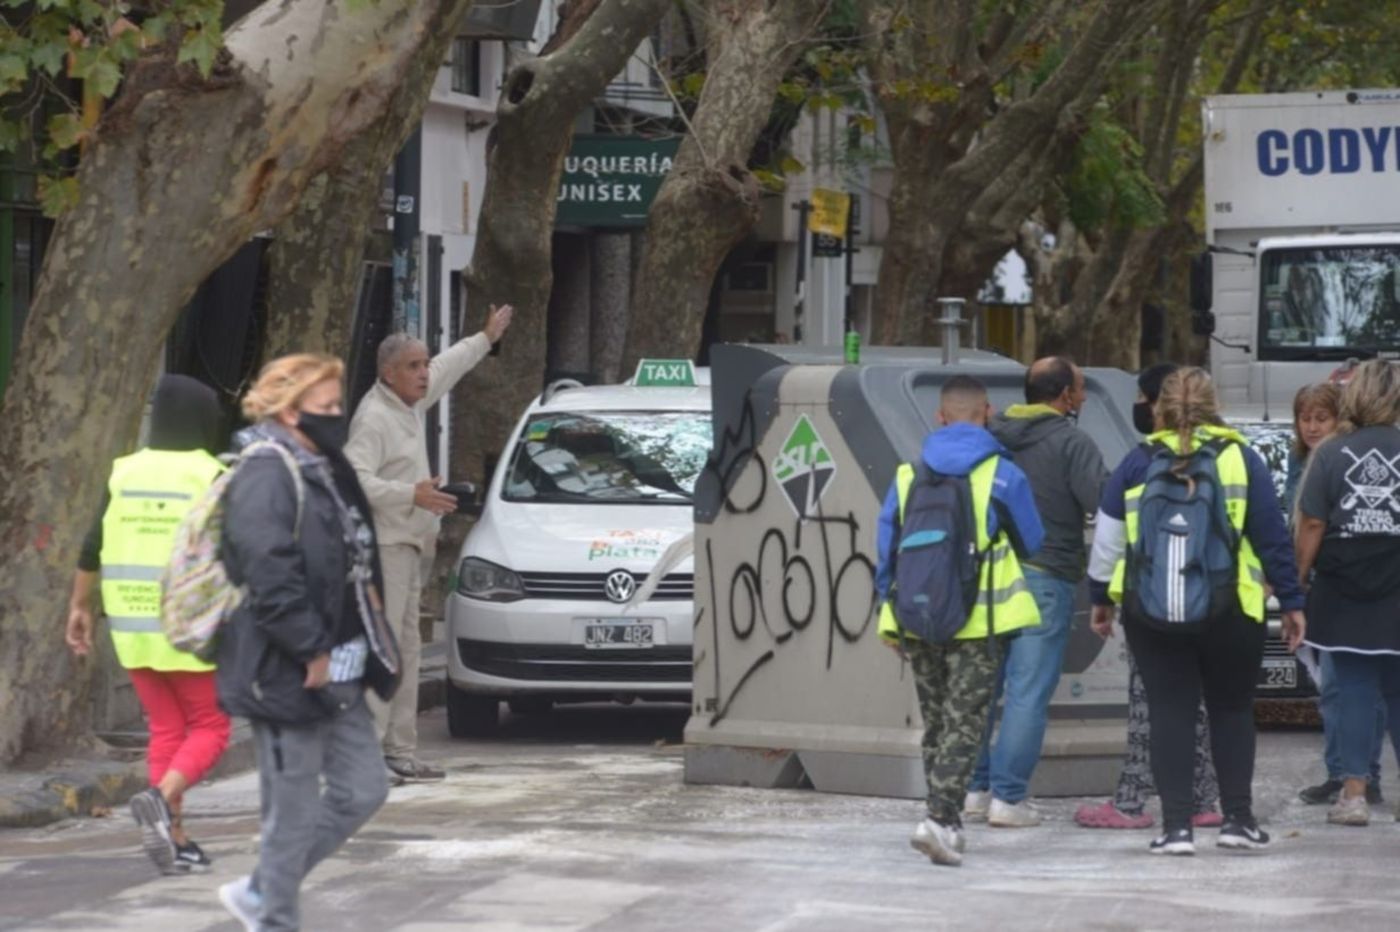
x=309 y=638
x=1127 y=808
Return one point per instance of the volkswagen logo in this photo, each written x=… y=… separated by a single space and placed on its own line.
x=620 y=586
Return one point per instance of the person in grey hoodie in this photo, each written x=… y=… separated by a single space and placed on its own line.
x=1066 y=474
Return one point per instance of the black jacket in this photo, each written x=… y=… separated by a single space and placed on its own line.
x=295 y=592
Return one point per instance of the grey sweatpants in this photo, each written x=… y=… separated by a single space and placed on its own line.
x=301 y=825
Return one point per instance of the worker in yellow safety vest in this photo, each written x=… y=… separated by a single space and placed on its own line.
x=952 y=533
x=1187 y=534
x=148 y=494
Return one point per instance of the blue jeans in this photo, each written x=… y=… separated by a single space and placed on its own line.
x=1030 y=671
x=1361 y=678
x=1328 y=699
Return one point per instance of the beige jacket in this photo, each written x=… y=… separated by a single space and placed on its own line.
x=390 y=452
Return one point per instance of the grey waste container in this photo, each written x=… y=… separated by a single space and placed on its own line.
x=791 y=685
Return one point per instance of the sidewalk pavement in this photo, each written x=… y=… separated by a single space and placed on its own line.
x=96 y=784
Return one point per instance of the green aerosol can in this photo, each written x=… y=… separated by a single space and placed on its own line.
x=852 y=347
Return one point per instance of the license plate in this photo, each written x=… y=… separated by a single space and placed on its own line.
x=629 y=636
x=1279 y=674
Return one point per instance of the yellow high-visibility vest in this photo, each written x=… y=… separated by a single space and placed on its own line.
x=1001 y=587
x=151 y=490
x=1234 y=483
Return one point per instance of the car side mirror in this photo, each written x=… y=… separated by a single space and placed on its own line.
x=469 y=499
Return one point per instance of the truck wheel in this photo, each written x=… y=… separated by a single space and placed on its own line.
x=528 y=706
x=470 y=715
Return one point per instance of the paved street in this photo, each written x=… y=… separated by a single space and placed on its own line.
x=581 y=821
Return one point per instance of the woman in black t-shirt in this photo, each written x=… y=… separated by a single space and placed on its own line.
x=1348 y=540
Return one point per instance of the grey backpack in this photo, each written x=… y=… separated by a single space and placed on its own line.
x=1182 y=570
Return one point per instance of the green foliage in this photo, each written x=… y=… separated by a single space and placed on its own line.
x=1328 y=44
x=1106 y=184
x=828 y=75
x=61 y=59
x=770 y=180
x=57 y=194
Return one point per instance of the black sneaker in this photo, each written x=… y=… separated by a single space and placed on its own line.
x=1174 y=841
x=1324 y=794
x=150 y=811
x=1242 y=835
x=1373 y=793
x=191 y=859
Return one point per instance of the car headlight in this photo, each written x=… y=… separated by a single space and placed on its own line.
x=482 y=579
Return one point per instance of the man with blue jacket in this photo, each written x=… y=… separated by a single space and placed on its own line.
x=954 y=678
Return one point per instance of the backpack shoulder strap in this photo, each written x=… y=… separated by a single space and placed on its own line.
x=298 y=483
x=903 y=501
x=1217 y=446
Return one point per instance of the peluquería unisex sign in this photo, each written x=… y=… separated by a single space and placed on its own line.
x=610 y=181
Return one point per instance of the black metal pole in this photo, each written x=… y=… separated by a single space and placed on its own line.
x=799 y=309
x=408 y=178
x=850 y=263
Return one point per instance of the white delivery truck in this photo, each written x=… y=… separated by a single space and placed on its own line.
x=1302 y=214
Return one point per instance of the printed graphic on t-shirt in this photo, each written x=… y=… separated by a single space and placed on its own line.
x=1370 y=505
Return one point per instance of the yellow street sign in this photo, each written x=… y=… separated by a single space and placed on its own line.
x=830 y=211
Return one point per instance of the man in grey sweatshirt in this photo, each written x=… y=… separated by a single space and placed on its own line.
x=1066 y=474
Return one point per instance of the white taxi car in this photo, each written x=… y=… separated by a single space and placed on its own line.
x=595 y=485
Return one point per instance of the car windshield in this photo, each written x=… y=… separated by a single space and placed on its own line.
x=1271 y=440
x=609 y=458
x=1324 y=303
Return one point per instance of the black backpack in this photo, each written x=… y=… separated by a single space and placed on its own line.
x=937 y=566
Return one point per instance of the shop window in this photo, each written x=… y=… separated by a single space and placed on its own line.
x=466 y=66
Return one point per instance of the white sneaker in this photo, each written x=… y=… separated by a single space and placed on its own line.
x=1350 y=810
x=241 y=902
x=942 y=843
x=975 y=806
x=1012 y=815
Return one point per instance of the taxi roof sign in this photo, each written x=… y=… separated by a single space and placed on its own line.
x=665 y=373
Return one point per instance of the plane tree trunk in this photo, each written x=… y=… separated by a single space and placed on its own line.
x=710 y=200
x=179 y=173
x=511 y=264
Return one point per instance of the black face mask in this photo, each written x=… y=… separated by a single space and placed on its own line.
x=1142 y=417
x=328 y=431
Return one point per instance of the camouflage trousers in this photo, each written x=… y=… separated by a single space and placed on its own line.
x=954 y=683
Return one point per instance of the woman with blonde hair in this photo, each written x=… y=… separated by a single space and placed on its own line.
x=309 y=637
x=1348 y=542
x=1187 y=530
x=1128 y=807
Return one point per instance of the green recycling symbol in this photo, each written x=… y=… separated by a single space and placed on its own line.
x=804 y=467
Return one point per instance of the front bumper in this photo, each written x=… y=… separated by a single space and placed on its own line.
x=536 y=647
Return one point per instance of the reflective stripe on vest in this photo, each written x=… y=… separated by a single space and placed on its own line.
x=1234 y=484
x=1002 y=585
x=130 y=625
x=150 y=491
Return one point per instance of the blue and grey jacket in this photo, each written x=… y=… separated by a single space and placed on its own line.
x=954 y=451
